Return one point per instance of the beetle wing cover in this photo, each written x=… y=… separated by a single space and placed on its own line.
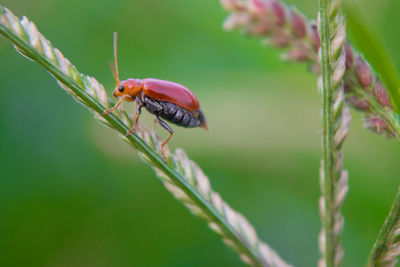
x=172 y=92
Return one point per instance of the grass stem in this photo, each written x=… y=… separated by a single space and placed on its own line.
x=335 y=120
x=179 y=174
x=386 y=248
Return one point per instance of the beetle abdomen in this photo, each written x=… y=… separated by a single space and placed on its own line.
x=174 y=113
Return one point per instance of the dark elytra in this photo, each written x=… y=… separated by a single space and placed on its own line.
x=173 y=113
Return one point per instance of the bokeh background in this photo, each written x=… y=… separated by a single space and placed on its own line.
x=73 y=194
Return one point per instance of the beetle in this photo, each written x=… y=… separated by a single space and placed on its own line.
x=167 y=100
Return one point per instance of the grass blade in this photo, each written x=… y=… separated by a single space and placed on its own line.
x=181 y=176
x=386 y=249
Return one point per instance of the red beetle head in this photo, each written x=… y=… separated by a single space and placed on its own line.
x=129 y=88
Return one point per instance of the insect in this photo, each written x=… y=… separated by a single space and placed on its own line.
x=166 y=100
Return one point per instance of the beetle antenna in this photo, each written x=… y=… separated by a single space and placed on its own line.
x=114 y=66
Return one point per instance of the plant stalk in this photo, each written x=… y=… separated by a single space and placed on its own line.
x=138 y=143
x=335 y=122
x=327 y=125
x=387 y=239
x=192 y=189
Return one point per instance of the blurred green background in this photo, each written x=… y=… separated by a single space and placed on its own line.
x=73 y=194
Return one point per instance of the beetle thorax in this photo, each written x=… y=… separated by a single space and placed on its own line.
x=133 y=86
x=129 y=87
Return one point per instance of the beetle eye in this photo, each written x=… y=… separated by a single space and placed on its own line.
x=121 y=88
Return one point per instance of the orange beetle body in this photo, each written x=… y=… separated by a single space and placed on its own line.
x=160 y=90
x=166 y=100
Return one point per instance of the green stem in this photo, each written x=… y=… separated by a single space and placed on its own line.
x=381 y=244
x=328 y=128
x=241 y=242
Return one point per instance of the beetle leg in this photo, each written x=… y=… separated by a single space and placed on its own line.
x=155 y=124
x=166 y=127
x=136 y=118
x=115 y=107
x=141 y=96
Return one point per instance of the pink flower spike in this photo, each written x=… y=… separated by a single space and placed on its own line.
x=349 y=56
x=298 y=24
x=381 y=94
x=278 y=10
x=314 y=37
x=363 y=72
x=357 y=103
